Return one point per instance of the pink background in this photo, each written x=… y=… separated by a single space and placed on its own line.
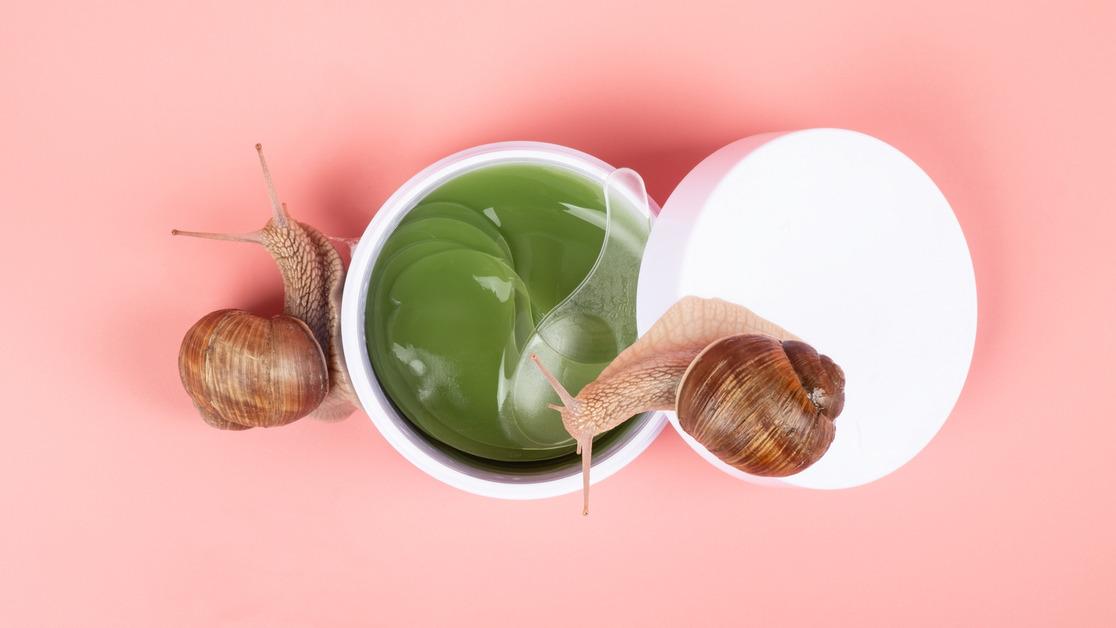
x=121 y=508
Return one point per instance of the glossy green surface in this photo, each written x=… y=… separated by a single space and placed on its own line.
x=461 y=286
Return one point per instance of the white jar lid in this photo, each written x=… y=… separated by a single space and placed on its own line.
x=846 y=242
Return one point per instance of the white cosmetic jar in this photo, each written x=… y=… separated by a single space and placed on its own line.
x=508 y=481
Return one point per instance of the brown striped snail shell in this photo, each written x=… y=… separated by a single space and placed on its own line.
x=762 y=405
x=243 y=370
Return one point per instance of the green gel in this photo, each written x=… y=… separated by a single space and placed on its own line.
x=487 y=269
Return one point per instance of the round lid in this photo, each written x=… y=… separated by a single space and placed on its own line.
x=846 y=242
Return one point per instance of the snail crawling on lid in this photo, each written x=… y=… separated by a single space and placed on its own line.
x=242 y=370
x=746 y=389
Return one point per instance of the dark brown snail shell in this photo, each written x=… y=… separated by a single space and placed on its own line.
x=762 y=405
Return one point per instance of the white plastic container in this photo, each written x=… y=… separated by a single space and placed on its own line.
x=833 y=234
x=397 y=429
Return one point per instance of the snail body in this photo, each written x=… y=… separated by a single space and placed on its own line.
x=750 y=392
x=222 y=363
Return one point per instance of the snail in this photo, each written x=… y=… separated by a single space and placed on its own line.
x=750 y=392
x=242 y=370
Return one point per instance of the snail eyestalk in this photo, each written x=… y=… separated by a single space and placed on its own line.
x=252 y=236
x=585 y=447
x=584 y=439
x=568 y=400
x=278 y=208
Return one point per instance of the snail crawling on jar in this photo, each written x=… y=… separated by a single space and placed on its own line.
x=242 y=370
x=750 y=392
